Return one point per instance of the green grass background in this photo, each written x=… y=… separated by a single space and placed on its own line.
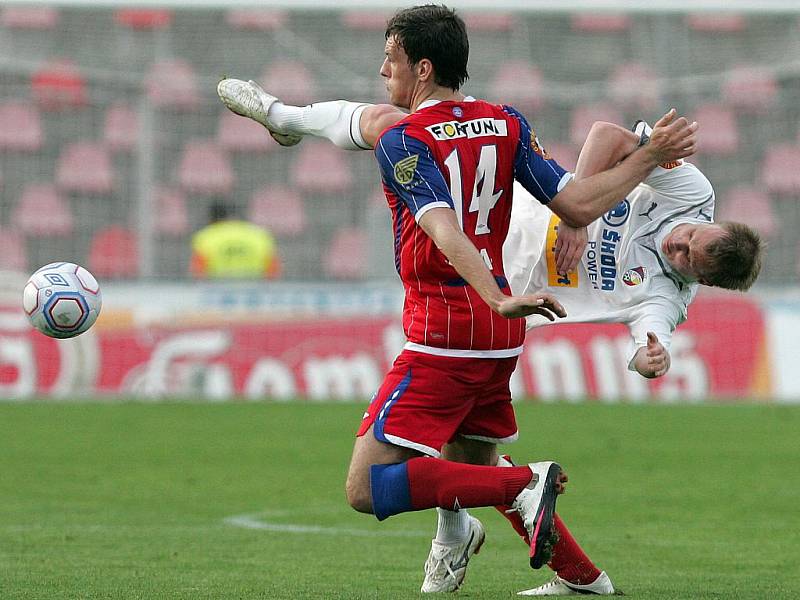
x=129 y=501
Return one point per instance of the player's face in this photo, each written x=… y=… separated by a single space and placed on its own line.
x=400 y=77
x=685 y=248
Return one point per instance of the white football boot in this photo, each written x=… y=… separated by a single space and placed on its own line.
x=246 y=98
x=536 y=504
x=447 y=563
x=601 y=586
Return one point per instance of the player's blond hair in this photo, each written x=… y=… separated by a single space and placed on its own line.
x=733 y=261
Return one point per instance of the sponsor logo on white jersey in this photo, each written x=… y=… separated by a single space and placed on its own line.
x=484 y=127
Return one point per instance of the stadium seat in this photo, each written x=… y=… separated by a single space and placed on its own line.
x=780 y=171
x=58 y=85
x=321 y=168
x=144 y=18
x=29 y=17
x=519 y=84
x=279 y=209
x=121 y=127
x=85 y=168
x=172 y=216
x=583 y=117
x=493 y=22
x=13 y=256
x=290 y=81
x=205 y=169
x=173 y=84
x=346 y=257
x=256 y=19
x=113 y=253
x=20 y=127
x=635 y=86
x=365 y=20
x=749 y=205
x=719 y=134
x=239 y=134
x=601 y=23
x=41 y=211
x=716 y=22
x=750 y=88
x=564 y=153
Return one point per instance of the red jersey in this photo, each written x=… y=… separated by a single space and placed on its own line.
x=463 y=156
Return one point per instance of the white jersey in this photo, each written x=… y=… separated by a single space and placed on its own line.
x=623 y=276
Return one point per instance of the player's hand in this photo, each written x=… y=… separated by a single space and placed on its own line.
x=513 y=307
x=570 y=244
x=658 y=360
x=673 y=138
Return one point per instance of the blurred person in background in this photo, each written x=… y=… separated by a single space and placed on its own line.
x=231 y=248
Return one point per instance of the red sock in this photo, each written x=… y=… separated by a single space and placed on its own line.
x=516 y=522
x=569 y=560
x=433 y=482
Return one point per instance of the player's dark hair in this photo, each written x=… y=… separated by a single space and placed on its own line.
x=437 y=33
x=734 y=260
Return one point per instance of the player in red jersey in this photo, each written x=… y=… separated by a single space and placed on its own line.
x=447 y=170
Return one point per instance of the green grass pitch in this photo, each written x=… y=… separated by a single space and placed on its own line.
x=134 y=501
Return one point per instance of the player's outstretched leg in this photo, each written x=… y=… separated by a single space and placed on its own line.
x=446 y=565
x=246 y=98
x=536 y=506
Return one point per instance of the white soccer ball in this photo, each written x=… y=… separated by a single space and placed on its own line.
x=62 y=300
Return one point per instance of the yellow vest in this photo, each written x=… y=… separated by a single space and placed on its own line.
x=234 y=249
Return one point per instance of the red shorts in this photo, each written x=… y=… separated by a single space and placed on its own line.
x=426 y=400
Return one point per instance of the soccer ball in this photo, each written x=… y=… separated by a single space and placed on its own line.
x=62 y=300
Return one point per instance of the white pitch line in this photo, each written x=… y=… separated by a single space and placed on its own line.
x=251 y=521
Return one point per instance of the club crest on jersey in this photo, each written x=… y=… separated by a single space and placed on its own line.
x=405 y=169
x=634 y=276
x=537 y=147
x=476 y=128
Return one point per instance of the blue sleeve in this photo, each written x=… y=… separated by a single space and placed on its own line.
x=410 y=171
x=533 y=168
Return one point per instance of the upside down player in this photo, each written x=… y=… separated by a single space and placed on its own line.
x=451 y=191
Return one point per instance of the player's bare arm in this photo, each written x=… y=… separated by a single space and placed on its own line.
x=583 y=201
x=652 y=360
x=442 y=227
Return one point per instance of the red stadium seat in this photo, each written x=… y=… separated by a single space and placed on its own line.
x=346 y=257
x=290 y=81
x=144 y=18
x=716 y=22
x=750 y=88
x=583 y=117
x=519 y=84
x=29 y=17
x=114 y=253
x=365 y=20
x=749 y=205
x=20 y=127
x=121 y=127
x=172 y=216
x=58 y=85
x=256 y=19
x=85 y=168
x=205 y=169
x=279 y=209
x=239 y=134
x=41 y=211
x=780 y=170
x=634 y=86
x=601 y=23
x=719 y=134
x=13 y=255
x=564 y=153
x=321 y=168
x=494 y=22
x=173 y=84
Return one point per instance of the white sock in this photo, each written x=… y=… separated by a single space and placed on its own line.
x=337 y=121
x=453 y=525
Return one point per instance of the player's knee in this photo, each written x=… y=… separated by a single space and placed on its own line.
x=358 y=494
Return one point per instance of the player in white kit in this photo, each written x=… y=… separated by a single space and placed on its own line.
x=639 y=264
